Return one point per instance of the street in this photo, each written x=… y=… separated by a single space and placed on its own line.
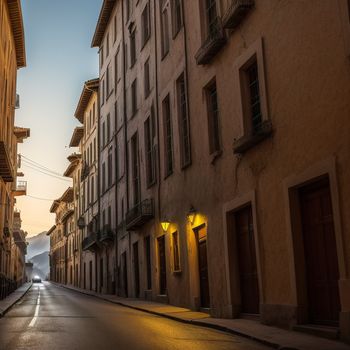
x=50 y=317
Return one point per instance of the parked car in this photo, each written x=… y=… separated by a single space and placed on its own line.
x=36 y=279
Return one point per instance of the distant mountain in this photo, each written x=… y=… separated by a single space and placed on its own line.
x=37 y=245
x=41 y=264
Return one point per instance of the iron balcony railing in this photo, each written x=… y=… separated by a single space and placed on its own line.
x=236 y=11
x=215 y=40
x=91 y=241
x=85 y=171
x=6 y=166
x=140 y=214
x=106 y=234
x=7 y=286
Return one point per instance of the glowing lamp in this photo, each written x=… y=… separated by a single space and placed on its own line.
x=191 y=215
x=165 y=224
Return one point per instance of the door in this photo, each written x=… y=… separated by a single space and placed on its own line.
x=203 y=272
x=248 y=276
x=90 y=274
x=321 y=261
x=162 y=265
x=136 y=269
x=125 y=275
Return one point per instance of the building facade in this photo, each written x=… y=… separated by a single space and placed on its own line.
x=12 y=58
x=224 y=155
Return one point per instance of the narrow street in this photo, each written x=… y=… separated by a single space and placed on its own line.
x=50 y=317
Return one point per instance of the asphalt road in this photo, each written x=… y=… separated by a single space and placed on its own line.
x=52 y=318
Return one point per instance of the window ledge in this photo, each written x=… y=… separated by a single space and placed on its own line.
x=177 y=272
x=235 y=13
x=249 y=141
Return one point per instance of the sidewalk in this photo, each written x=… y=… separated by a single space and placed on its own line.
x=12 y=299
x=272 y=336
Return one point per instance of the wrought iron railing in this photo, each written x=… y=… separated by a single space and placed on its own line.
x=235 y=12
x=139 y=214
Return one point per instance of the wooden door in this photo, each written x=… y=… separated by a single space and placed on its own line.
x=136 y=269
x=247 y=265
x=203 y=269
x=162 y=266
x=321 y=261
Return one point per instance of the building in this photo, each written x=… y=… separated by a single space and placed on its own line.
x=223 y=158
x=12 y=58
x=85 y=183
x=63 y=266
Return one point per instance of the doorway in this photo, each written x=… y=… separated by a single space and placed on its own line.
x=162 y=266
x=320 y=252
x=136 y=269
x=201 y=234
x=247 y=265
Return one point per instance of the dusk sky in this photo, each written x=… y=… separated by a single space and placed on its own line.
x=59 y=59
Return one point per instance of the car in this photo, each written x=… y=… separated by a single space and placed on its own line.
x=36 y=279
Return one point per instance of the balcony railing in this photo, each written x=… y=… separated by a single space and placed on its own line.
x=140 y=214
x=106 y=234
x=85 y=171
x=236 y=11
x=215 y=40
x=21 y=188
x=6 y=166
x=90 y=242
x=7 y=286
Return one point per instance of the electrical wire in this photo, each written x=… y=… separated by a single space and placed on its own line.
x=48 y=174
x=32 y=162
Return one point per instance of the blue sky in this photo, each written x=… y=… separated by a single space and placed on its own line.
x=59 y=59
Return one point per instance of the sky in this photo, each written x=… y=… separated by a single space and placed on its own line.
x=60 y=59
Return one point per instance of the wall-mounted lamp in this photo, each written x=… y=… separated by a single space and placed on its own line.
x=165 y=224
x=191 y=215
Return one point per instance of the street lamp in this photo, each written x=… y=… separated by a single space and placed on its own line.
x=191 y=214
x=165 y=224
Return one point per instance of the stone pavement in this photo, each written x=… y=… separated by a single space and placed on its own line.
x=275 y=337
x=12 y=299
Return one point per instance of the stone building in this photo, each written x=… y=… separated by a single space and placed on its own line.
x=85 y=183
x=224 y=155
x=12 y=58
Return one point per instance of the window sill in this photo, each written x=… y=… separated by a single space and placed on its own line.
x=249 y=141
x=168 y=175
x=109 y=95
x=186 y=165
x=177 y=272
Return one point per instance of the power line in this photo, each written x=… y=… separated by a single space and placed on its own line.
x=48 y=174
x=40 y=199
x=32 y=162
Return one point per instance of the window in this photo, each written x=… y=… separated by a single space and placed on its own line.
x=176 y=16
x=103 y=141
x=176 y=251
x=168 y=137
x=165 y=31
x=115 y=28
x=134 y=97
x=92 y=189
x=101 y=57
x=132 y=48
x=135 y=169
x=211 y=16
x=95 y=151
x=147 y=87
x=128 y=9
x=94 y=113
x=110 y=164
x=116 y=70
x=251 y=81
x=109 y=217
x=184 y=125
x=108 y=128
x=103 y=177
x=107 y=45
x=109 y=82
x=213 y=118
x=150 y=150
x=146 y=25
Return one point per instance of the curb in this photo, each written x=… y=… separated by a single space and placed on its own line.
x=4 y=312
x=178 y=319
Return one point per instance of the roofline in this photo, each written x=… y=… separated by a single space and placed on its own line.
x=48 y=233
x=16 y=20
x=72 y=143
x=89 y=87
x=102 y=23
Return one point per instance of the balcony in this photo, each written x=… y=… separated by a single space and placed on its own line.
x=20 y=189
x=106 y=234
x=91 y=242
x=236 y=11
x=6 y=166
x=212 y=45
x=139 y=215
x=85 y=171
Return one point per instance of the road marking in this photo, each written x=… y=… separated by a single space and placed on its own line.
x=36 y=313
